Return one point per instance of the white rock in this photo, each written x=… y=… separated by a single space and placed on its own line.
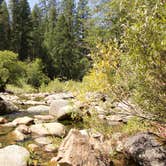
x=23 y=120
x=43 y=140
x=44 y=129
x=58 y=96
x=44 y=117
x=60 y=109
x=38 y=109
x=31 y=102
x=23 y=129
x=51 y=148
x=14 y=155
x=18 y=136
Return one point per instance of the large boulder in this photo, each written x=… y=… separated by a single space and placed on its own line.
x=14 y=155
x=146 y=149
x=38 y=109
x=7 y=107
x=46 y=129
x=62 y=109
x=78 y=148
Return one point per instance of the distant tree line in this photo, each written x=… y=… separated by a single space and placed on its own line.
x=53 y=31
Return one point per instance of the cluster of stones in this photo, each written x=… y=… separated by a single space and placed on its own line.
x=79 y=147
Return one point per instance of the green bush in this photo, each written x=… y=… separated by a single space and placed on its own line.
x=10 y=69
x=35 y=75
x=53 y=86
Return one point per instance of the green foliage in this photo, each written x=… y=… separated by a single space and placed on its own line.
x=35 y=75
x=23 y=87
x=4 y=27
x=93 y=122
x=136 y=53
x=36 y=33
x=10 y=69
x=21 y=27
x=135 y=125
x=53 y=86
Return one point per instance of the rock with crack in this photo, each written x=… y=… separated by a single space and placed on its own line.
x=7 y=107
x=14 y=155
x=146 y=149
x=48 y=129
x=79 y=149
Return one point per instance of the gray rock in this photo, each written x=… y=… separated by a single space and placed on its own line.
x=49 y=99
x=46 y=129
x=79 y=148
x=14 y=155
x=61 y=109
x=7 y=107
x=38 y=109
x=146 y=149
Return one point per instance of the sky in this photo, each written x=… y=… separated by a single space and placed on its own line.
x=31 y=2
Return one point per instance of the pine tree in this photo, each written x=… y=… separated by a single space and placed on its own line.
x=62 y=52
x=81 y=18
x=36 y=34
x=81 y=27
x=25 y=29
x=48 y=43
x=21 y=27
x=15 y=19
x=4 y=27
x=1 y=1
x=52 y=18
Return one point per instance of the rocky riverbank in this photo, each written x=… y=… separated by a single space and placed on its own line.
x=48 y=129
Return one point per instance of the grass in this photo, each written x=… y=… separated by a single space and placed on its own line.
x=135 y=125
x=25 y=88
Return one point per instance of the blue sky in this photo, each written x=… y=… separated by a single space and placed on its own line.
x=31 y=2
